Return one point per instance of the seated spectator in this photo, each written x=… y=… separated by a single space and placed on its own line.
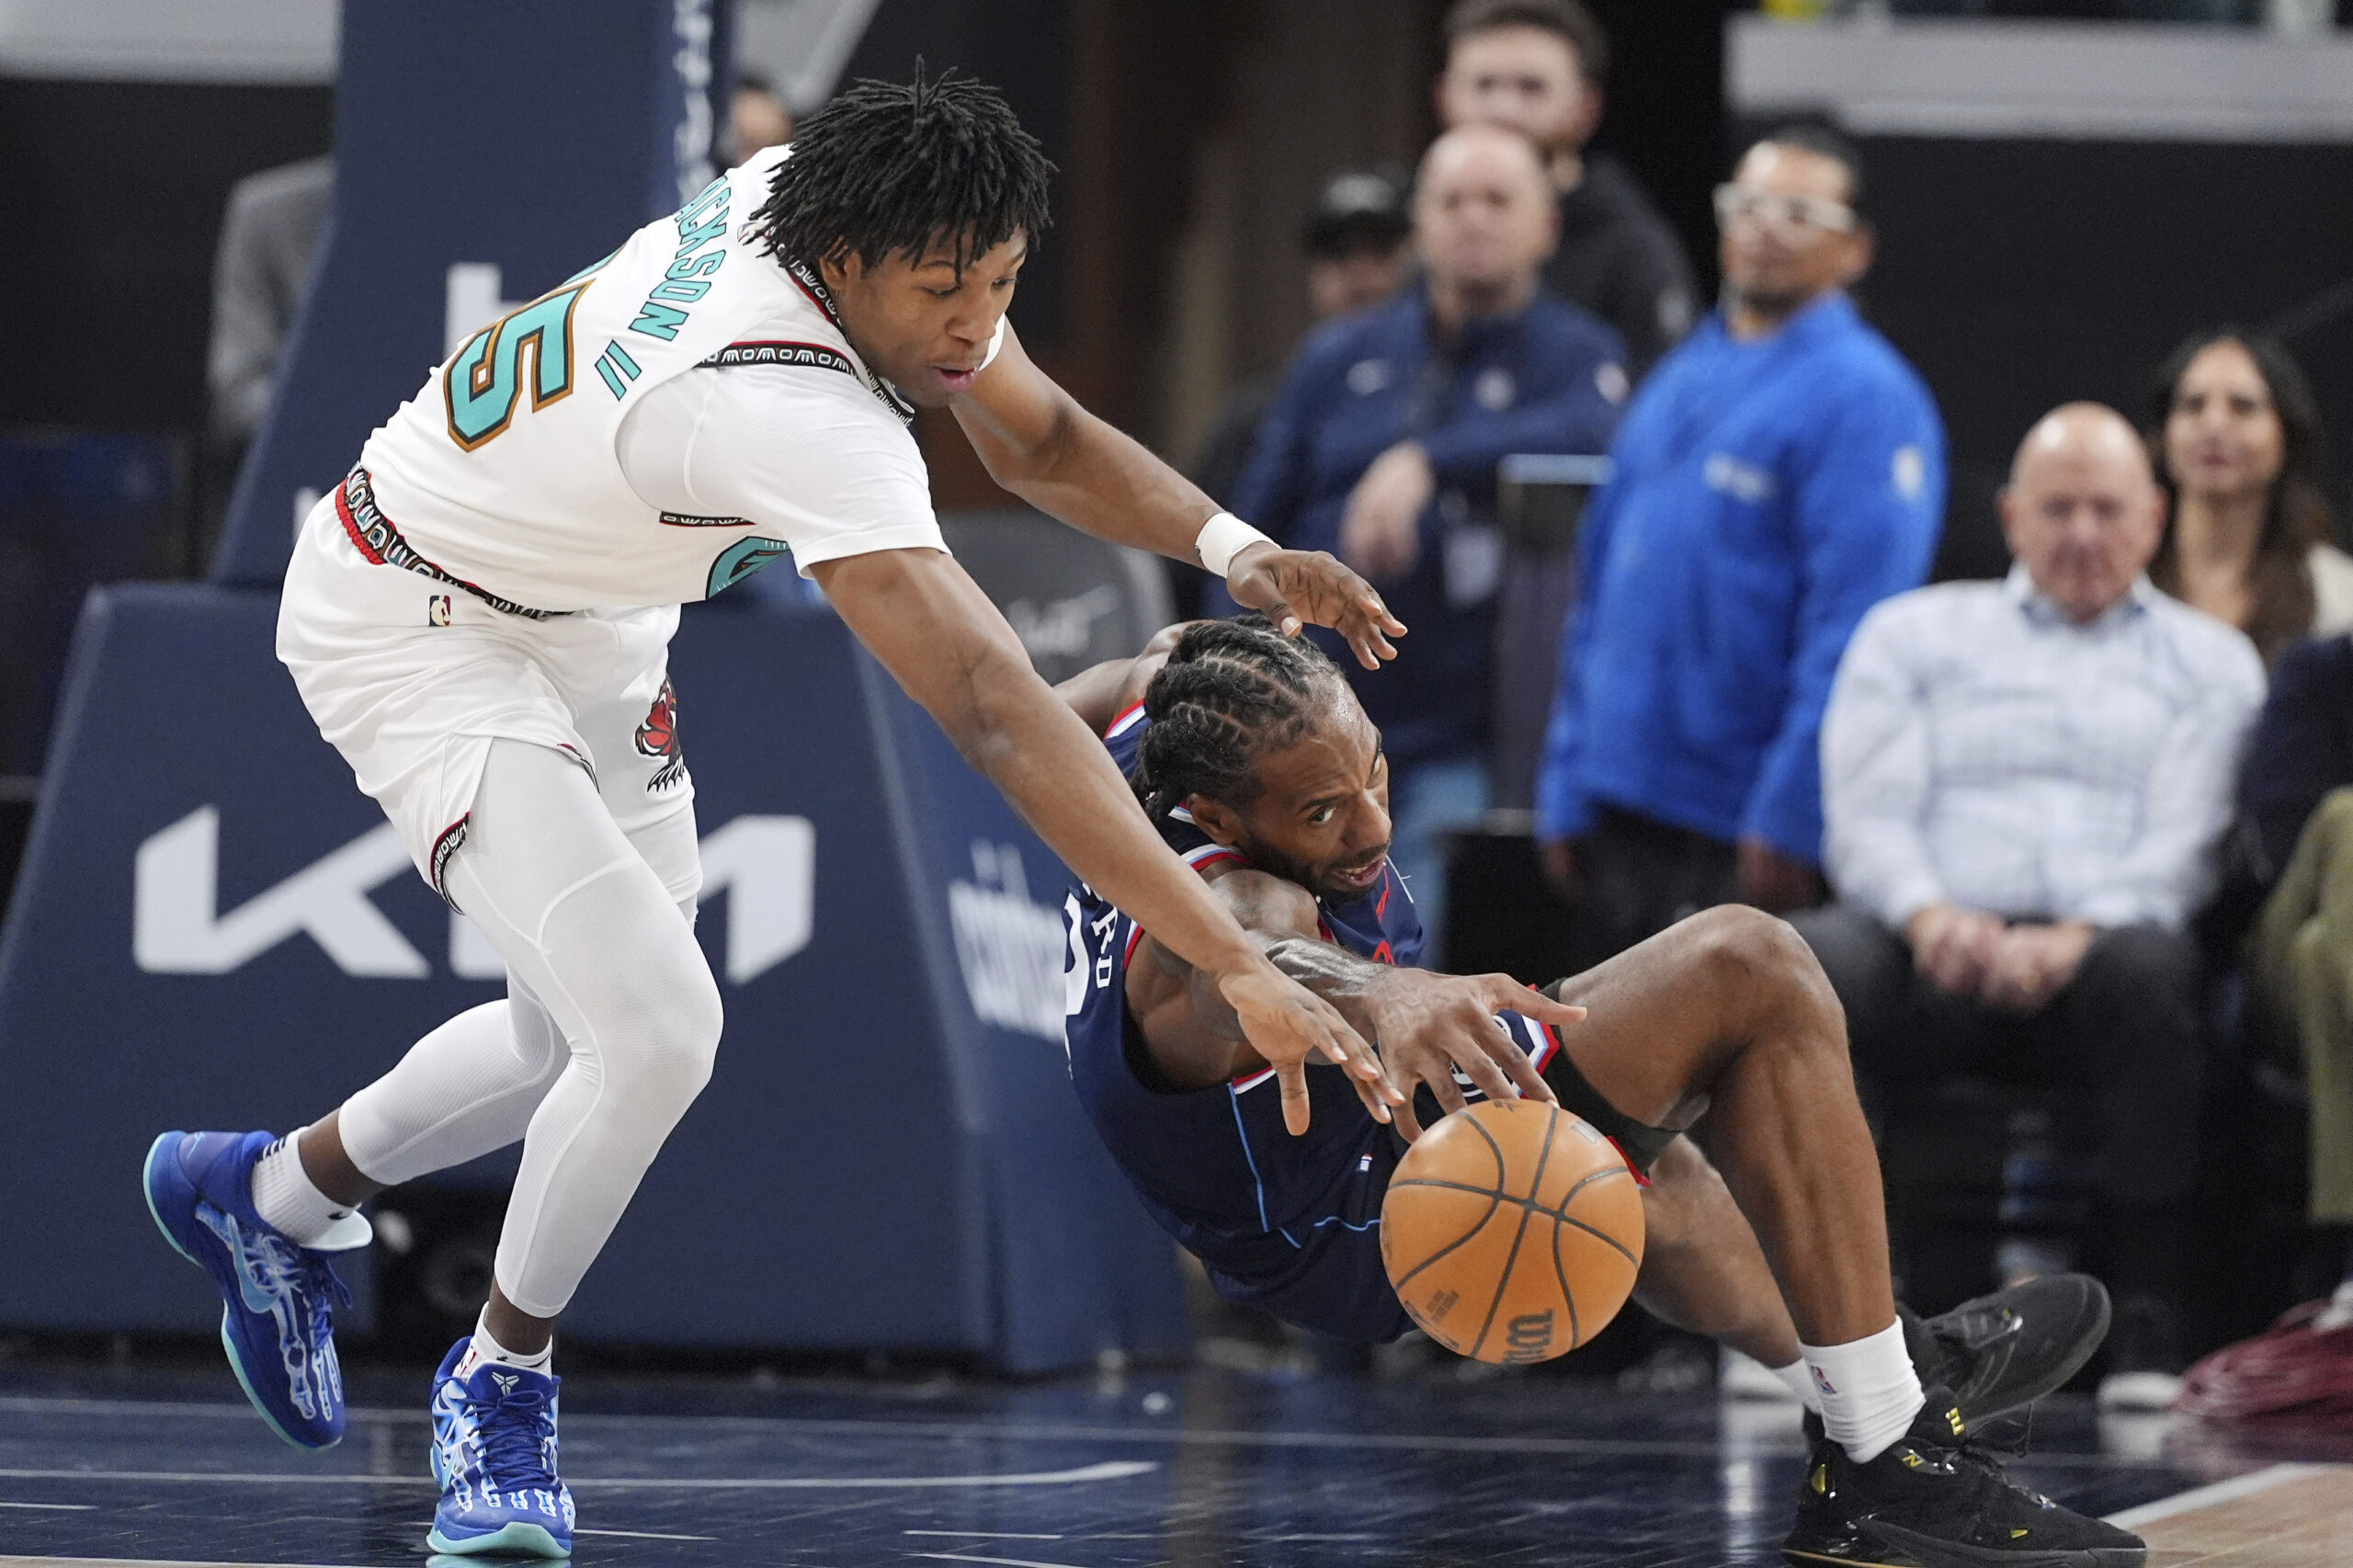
x=2024 y=784
x=2236 y=433
x=1538 y=66
x=1358 y=252
x=1779 y=473
x=2294 y=850
x=1383 y=447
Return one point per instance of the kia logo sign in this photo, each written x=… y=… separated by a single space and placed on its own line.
x=766 y=864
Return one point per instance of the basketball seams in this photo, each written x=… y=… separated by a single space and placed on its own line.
x=1530 y=1203
x=1494 y=1201
x=1526 y=1214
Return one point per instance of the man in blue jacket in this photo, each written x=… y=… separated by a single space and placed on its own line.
x=1782 y=471
x=1382 y=447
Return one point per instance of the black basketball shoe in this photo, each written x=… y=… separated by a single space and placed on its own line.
x=2002 y=1352
x=1936 y=1500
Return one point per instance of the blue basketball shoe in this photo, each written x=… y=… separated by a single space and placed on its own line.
x=495 y=1457
x=277 y=1299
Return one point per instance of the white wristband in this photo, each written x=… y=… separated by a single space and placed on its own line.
x=1222 y=538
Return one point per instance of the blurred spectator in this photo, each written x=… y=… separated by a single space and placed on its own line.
x=1781 y=471
x=2025 y=781
x=758 y=117
x=1538 y=66
x=2236 y=434
x=2294 y=845
x=264 y=259
x=1358 y=255
x=1383 y=443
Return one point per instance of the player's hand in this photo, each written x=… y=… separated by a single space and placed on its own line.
x=1287 y=1024
x=1295 y=587
x=1430 y=1025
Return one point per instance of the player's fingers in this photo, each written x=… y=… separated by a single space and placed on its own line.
x=1510 y=996
x=1481 y=1066
x=1448 y=1093
x=1291 y=1079
x=1531 y=1082
x=1408 y=1124
x=1348 y=1049
x=1286 y=619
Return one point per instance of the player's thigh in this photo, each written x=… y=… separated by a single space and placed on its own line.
x=621 y=697
x=1664 y=1016
x=413 y=686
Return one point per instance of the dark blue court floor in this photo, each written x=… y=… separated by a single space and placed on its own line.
x=1208 y=1467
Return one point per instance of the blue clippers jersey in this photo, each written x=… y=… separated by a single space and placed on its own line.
x=1216 y=1168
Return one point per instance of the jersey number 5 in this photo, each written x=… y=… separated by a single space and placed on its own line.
x=485 y=380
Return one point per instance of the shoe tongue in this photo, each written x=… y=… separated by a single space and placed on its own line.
x=1939 y=1423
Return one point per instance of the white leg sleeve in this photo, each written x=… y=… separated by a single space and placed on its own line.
x=609 y=1033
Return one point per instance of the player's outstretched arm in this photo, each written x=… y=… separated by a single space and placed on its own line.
x=1425 y=1024
x=933 y=630
x=1038 y=443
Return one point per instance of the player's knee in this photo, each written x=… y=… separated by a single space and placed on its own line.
x=1765 y=958
x=664 y=1037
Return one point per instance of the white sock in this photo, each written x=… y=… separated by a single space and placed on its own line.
x=2338 y=1314
x=487 y=1348
x=1800 y=1383
x=285 y=1196
x=1869 y=1390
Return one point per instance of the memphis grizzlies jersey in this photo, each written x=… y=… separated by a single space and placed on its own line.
x=1216 y=1168
x=505 y=472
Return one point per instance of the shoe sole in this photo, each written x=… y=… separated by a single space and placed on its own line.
x=1898 y=1548
x=515 y=1539
x=2087 y=1343
x=228 y=1342
x=1965 y=1557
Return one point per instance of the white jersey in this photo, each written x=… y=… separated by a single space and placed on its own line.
x=658 y=426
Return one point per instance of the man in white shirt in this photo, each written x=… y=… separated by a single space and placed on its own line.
x=2023 y=785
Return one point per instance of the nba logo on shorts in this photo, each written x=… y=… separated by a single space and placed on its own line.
x=437 y=609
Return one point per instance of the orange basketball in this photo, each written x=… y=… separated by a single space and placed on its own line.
x=1512 y=1232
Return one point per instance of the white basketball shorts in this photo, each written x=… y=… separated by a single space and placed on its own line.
x=412 y=678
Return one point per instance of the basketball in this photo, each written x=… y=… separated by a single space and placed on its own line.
x=1512 y=1232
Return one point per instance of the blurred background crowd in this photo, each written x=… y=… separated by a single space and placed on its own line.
x=1870 y=461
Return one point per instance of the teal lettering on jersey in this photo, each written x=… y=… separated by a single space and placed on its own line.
x=687 y=280
x=485 y=381
x=740 y=560
x=658 y=321
x=617 y=369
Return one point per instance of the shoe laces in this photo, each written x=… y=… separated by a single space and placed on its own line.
x=298 y=1271
x=516 y=1429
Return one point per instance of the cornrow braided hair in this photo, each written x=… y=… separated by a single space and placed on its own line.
x=886 y=167
x=1230 y=690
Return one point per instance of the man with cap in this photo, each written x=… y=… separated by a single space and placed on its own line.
x=1357 y=255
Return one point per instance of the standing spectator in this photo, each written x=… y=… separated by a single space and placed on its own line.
x=757 y=116
x=1383 y=443
x=2025 y=784
x=1538 y=66
x=1358 y=255
x=258 y=272
x=2236 y=433
x=1781 y=471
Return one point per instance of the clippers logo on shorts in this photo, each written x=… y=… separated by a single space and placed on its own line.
x=658 y=736
x=437 y=610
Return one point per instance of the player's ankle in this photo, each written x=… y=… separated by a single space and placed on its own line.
x=486 y=1348
x=1869 y=1390
x=288 y=1200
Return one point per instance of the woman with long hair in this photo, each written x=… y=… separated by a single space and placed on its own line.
x=2236 y=435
